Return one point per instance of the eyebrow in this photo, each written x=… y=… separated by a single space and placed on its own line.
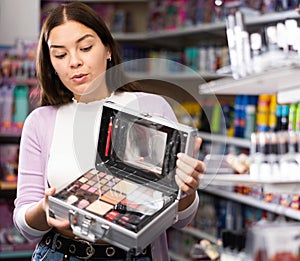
x=78 y=41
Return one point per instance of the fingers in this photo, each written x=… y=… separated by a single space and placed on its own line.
x=187 y=173
x=57 y=223
x=53 y=222
x=50 y=192
x=186 y=183
x=189 y=164
x=198 y=142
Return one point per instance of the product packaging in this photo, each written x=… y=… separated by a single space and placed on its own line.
x=130 y=196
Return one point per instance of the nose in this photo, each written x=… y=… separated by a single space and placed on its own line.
x=75 y=60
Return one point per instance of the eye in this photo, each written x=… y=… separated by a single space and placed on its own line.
x=86 y=49
x=60 y=56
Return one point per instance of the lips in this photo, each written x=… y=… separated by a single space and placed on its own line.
x=79 y=78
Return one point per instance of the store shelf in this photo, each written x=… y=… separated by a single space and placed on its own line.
x=217 y=28
x=280 y=185
x=271 y=18
x=199 y=234
x=188 y=80
x=248 y=200
x=17 y=251
x=4 y=185
x=15 y=255
x=217 y=138
x=176 y=257
x=9 y=138
x=170 y=76
x=277 y=80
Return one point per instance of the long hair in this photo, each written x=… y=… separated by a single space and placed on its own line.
x=53 y=91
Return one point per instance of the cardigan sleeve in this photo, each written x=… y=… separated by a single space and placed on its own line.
x=33 y=153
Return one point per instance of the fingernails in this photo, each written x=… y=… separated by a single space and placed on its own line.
x=179 y=155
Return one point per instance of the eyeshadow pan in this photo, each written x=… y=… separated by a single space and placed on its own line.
x=110 y=183
x=92 y=189
x=71 y=199
x=99 y=207
x=95 y=178
x=88 y=175
x=83 y=180
x=108 y=177
x=103 y=181
x=101 y=174
x=125 y=187
x=91 y=182
x=104 y=188
x=83 y=203
x=85 y=187
x=112 y=197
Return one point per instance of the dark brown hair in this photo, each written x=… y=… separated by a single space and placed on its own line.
x=53 y=90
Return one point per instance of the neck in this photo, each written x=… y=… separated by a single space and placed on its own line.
x=94 y=96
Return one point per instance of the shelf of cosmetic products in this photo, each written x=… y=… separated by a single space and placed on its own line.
x=197 y=235
x=283 y=79
x=217 y=28
x=226 y=192
x=274 y=164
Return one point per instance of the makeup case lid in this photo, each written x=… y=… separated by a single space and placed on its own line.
x=141 y=147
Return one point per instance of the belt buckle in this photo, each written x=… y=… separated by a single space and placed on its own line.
x=90 y=250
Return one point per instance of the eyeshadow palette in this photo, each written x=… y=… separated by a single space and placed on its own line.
x=131 y=195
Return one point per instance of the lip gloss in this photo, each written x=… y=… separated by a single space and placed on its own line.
x=108 y=137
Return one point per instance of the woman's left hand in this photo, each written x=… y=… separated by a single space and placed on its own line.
x=188 y=171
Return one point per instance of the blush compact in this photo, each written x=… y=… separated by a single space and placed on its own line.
x=130 y=196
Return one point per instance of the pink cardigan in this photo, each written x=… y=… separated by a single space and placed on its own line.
x=34 y=150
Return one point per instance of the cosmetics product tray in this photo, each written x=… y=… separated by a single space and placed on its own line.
x=131 y=196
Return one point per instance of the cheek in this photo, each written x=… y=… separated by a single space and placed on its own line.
x=60 y=69
x=99 y=65
x=60 y=66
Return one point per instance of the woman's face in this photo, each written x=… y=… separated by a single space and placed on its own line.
x=78 y=56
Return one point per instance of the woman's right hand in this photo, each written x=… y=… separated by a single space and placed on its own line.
x=53 y=222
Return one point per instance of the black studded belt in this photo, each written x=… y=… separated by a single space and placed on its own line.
x=83 y=249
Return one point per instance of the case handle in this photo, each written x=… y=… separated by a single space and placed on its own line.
x=84 y=230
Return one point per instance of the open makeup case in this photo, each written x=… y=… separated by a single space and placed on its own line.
x=130 y=196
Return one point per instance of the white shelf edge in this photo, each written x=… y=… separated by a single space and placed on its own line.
x=240 y=142
x=288 y=96
x=280 y=185
x=199 y=234
x=175 y=75
x=248 y=200
x=269 y=82
x=271 y=17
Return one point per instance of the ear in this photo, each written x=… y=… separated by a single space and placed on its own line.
x=108 y=54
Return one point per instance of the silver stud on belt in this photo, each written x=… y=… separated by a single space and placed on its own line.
x=110 y=251
x=90 y=250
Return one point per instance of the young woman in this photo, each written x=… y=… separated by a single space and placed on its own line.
x=75 y=55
